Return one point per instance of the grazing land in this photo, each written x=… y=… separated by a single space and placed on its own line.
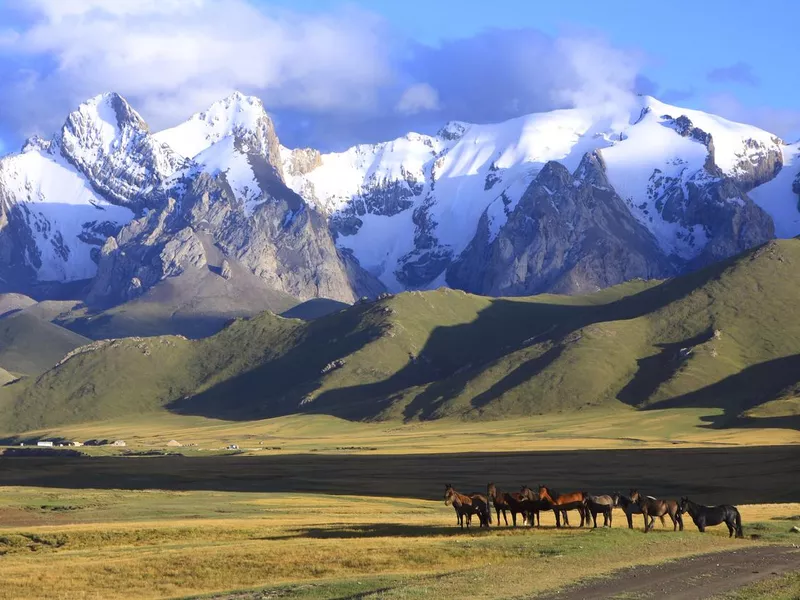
x=596 y=428
x=113 y=543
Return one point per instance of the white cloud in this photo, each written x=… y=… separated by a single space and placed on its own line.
x=172 y=57
x=604 y=77
x=784 y=122
x=418 y=98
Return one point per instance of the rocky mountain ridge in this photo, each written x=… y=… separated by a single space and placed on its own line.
x=566 y=201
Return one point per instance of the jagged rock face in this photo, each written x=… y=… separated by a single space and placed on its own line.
x=568 y=234
x=283 y=241
x=107 y=141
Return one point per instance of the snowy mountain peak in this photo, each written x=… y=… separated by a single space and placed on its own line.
x=99 y=124
x=240 y=116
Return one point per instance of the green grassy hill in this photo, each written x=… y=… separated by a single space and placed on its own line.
x=725 y=337
x=30 y=345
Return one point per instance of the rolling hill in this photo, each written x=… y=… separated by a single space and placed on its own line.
x=722 y=337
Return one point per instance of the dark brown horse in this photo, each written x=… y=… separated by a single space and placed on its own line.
x=630 y=508
x=532 y=505
x=561 y=503
x=653 y=507
x=505 y=502
x=466 y=506
x=604 y=505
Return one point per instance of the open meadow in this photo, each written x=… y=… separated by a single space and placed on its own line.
x=88 y=543
x=356 y=524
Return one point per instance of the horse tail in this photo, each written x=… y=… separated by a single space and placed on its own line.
x=739 y=531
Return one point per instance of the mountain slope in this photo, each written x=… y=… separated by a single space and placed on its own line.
x=30 y=346
x=447 y=353
x=409 y=208
x=233 y=192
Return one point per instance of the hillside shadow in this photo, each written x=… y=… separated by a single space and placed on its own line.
x=444 y=366
x=741 y=391
x=739 y=473
x=654 y=370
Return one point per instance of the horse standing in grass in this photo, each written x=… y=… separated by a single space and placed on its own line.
x=503 y=502
x=630 y=508
x=561 y=503
x=705 y=516
x=466 y=506
x=653 y=507
x=601 y=505
x=532 y=505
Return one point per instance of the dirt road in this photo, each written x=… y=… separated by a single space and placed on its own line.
x=691 y=578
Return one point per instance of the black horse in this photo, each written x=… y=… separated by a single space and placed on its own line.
x=706 y=516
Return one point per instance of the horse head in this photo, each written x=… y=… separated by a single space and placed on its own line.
x=683 y=504
x=636 y=497
x=527 y=493
x=491 y=490
x=544 y=494
x=448 y=493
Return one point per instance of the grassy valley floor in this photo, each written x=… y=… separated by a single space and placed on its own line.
x=166 y=544
x=592 y=428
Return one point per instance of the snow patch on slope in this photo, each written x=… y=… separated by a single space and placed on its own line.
x=59 y=206
x=224 y=158
x=778 y=199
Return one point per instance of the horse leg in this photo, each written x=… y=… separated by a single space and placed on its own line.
x=679 y=517
x=594 y=519
x=505 y=517
x=674 y=522
x=629 y=517
x=566 y=518
x=558 y=518
x=731 y=528
x=514 y=517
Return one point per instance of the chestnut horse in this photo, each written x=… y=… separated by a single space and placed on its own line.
x=561 y=503
x=504 y=501
x=531 y=504
x=653 y=507
x=466 y=506
x=703 y=516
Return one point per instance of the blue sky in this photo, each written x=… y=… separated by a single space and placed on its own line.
x=335 y=73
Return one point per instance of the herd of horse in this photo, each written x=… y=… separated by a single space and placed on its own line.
x=528 y=505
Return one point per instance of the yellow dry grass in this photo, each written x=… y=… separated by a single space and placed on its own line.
x=159 y=544
x=588 y=429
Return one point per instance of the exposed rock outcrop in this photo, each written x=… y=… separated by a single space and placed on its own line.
x=568 y=234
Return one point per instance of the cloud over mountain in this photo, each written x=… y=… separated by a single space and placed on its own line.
x=347 y=68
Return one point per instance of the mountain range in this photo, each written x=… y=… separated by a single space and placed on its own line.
x=570 y=201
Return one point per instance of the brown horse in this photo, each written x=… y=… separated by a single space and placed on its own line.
x=601 y=505
x=466 y=506
x=504 y=501
x=653 y=507
x=630 y=508
x=561 y=503
x=531 y=504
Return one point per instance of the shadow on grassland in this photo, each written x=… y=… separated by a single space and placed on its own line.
x=740 y=475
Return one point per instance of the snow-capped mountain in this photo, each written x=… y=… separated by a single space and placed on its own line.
x=61 y=198
x=410 y=207
x=569 y=201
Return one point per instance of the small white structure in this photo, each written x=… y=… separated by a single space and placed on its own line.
x=232 y=447
x=119 y=443
x=45 y=444
x=76 y=443
x=174 y=444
